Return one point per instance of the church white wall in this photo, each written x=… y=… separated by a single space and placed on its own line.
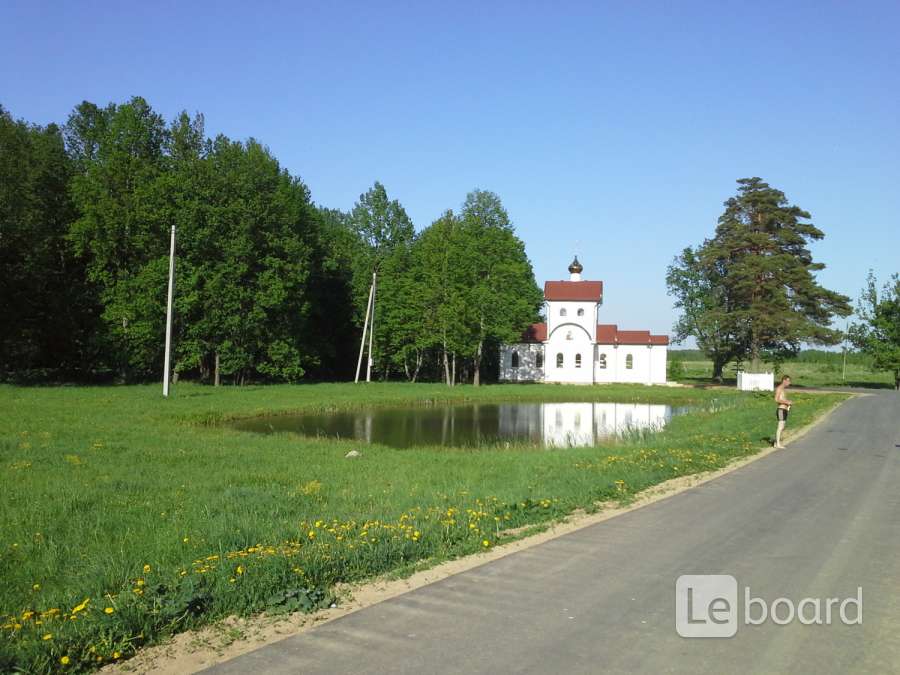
x=648 y=365
x=528 y=370
x=570 y=340
x=587 y=321
x=637 y=372
x=607 y=374
x=659 y=356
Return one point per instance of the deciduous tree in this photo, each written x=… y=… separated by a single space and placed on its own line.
x=49 y=310
x=702 y=297
x=878 y=332
x=385 y=233
x=501 y=296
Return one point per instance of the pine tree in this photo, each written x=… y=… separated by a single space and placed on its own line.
x=761 y=250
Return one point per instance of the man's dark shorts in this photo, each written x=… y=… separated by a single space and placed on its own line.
x=782 y=414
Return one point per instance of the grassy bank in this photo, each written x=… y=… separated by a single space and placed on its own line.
x=127 y=517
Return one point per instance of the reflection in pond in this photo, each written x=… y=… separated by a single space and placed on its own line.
x=544 y=424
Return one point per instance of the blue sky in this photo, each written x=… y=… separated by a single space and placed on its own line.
x=614 y=129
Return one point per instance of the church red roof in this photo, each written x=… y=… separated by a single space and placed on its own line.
x=607 y=334
x=574 y=290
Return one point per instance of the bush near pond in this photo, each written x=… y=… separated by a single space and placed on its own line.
x=129 y=517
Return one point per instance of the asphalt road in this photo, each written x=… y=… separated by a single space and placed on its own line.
x=817 y=521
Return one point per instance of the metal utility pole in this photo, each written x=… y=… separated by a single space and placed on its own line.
x=362 y=342
x=372 y=327
x=169 y=315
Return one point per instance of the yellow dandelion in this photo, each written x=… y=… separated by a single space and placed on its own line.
x=48 y=636
x=64 y=660
x=36 y=587
x=486 y=543
x=240 y=569
x=109 y=610
x=116 y=655
x=146 y=568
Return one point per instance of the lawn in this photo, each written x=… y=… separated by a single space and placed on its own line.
x=127 y=517
x=803 y=374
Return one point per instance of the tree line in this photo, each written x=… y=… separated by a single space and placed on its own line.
x=274 y=287
x=269 y=285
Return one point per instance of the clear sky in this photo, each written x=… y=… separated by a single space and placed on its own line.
x=611 y=129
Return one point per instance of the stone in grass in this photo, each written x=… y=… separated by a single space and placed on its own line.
x=352 y=454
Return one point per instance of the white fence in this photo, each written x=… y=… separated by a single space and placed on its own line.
x=755 y=381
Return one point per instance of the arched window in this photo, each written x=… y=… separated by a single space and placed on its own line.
x=580 y=312
x=539 y=361
x=559 y=360
x=562 y=312
x=629 y=362
x=578 y=360
x=601 y=362
x=514 y=360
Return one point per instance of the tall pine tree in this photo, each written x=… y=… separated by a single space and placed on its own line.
x=761 y=250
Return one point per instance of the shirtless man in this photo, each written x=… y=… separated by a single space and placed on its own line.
x=784 y=407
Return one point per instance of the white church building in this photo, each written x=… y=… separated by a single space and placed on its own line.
x=573 y=347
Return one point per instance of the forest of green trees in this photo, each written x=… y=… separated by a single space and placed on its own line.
x=270 y=286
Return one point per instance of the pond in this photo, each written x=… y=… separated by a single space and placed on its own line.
x=473 y=425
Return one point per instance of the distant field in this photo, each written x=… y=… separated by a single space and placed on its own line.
x=811 y=371
x=127 y=517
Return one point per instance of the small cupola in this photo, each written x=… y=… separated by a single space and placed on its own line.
x=575 y=270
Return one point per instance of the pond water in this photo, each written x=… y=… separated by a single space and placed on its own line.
x=472 y=425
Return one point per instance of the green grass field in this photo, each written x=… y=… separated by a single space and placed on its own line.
x=803 y=374
x=127 y=517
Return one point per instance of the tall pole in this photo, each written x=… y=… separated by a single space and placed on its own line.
x=372 y=327
x=169 y=315
x=362 y=342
